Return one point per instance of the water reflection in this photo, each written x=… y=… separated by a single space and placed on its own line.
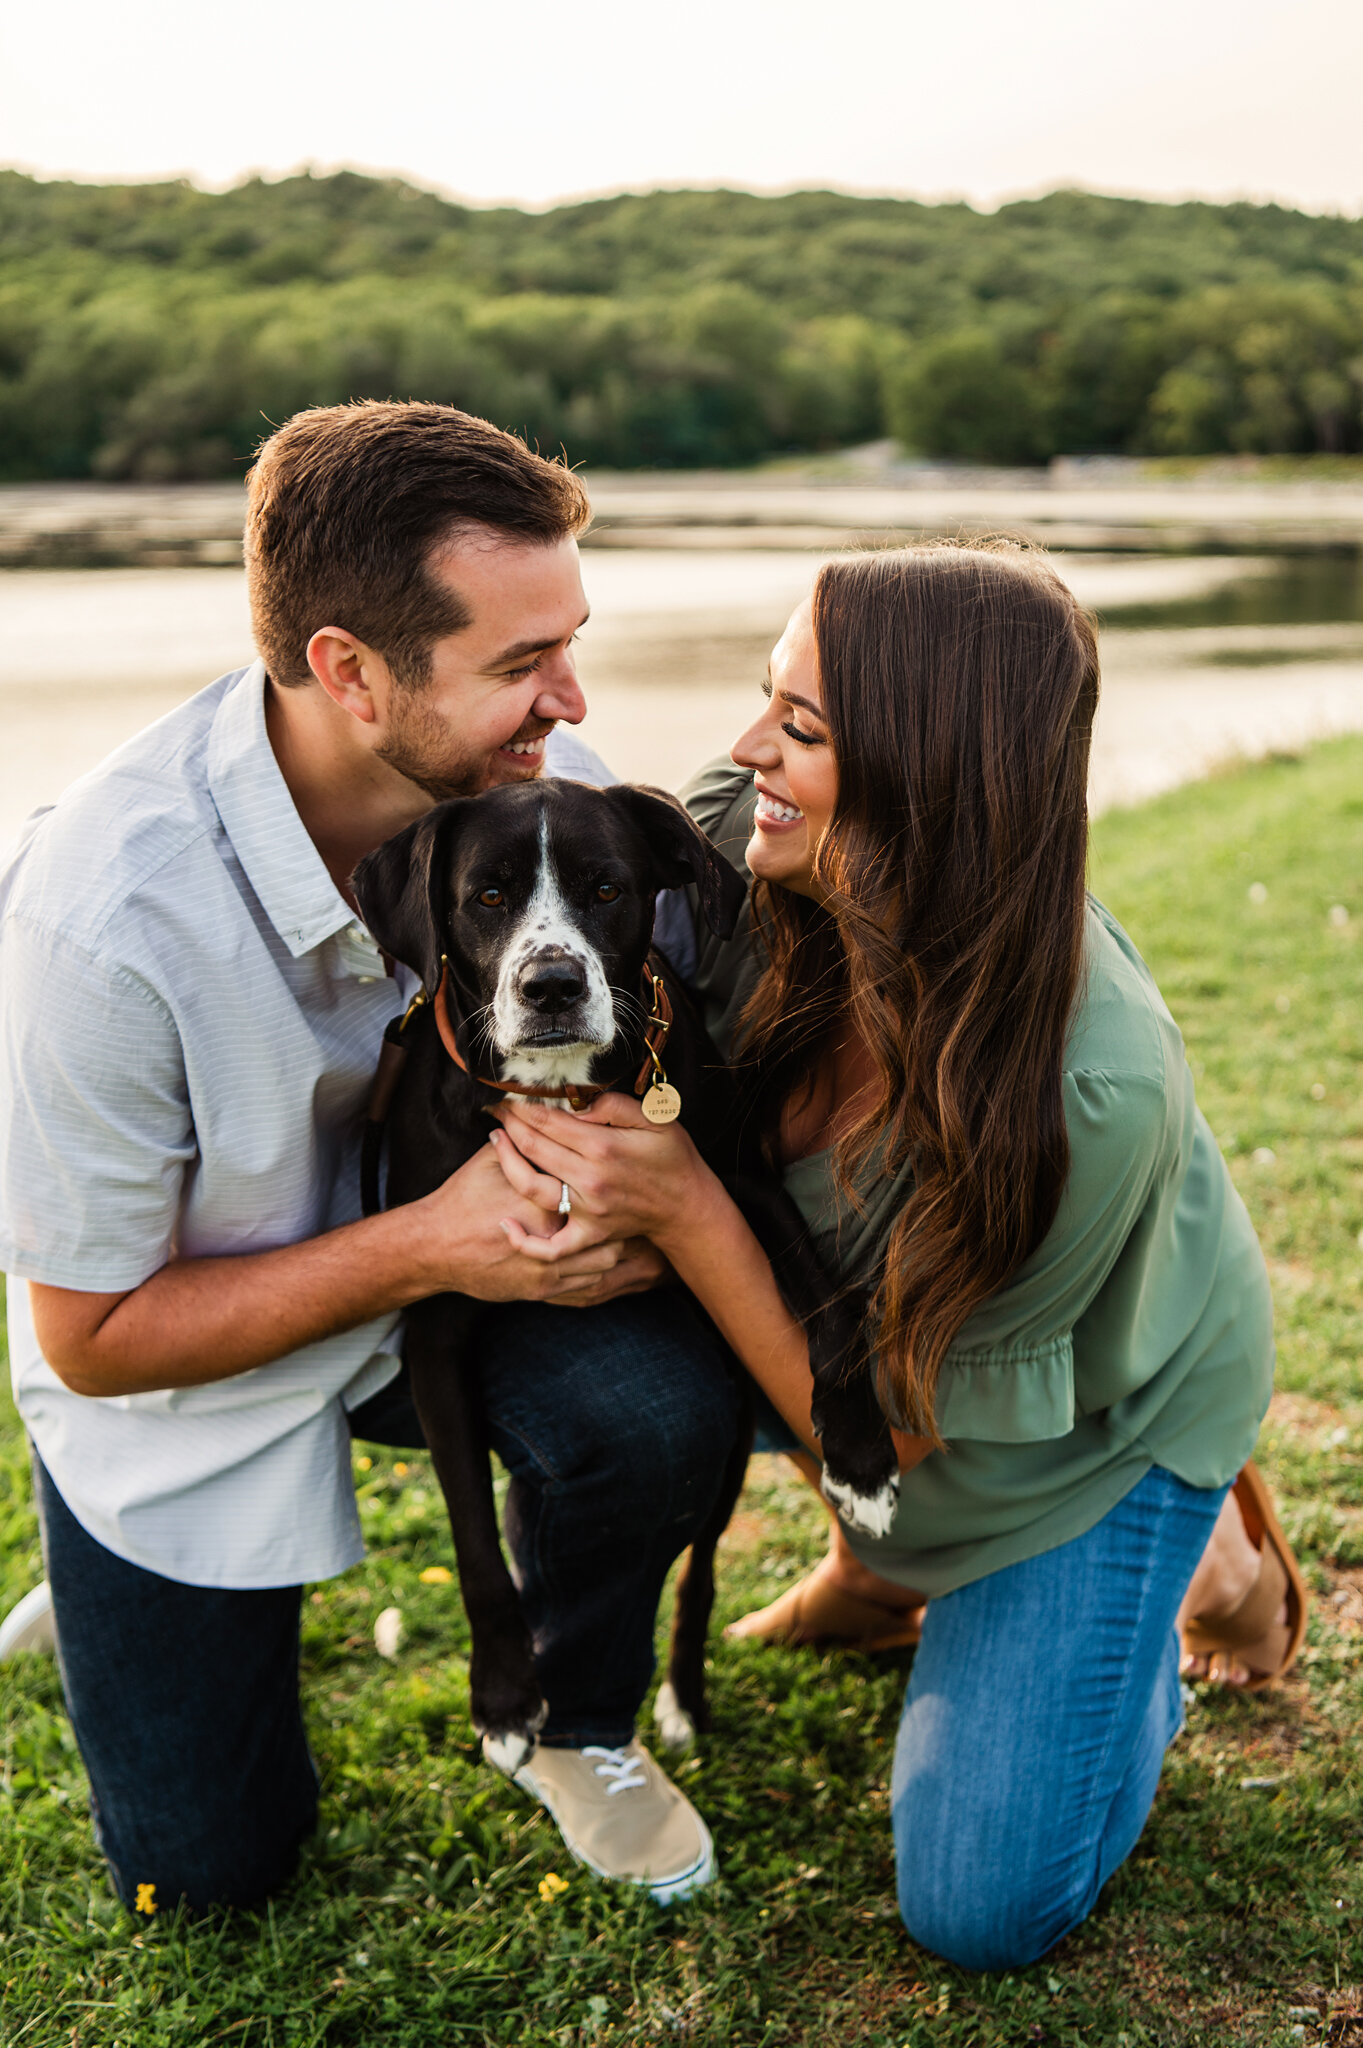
x=1334 y=647
x=1205 y=657
x=1322 y=588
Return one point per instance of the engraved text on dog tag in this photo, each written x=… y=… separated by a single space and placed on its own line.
x=662 y=1104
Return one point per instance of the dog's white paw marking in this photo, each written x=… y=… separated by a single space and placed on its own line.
x=870 y=1514
x=506 y=1753
x=676 y=1729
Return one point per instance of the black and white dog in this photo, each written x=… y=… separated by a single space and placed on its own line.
x=528 y=914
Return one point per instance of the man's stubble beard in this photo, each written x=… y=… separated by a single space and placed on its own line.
x=417 y=746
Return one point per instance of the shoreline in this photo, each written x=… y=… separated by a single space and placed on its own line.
x=677 y=645
x=163 y=526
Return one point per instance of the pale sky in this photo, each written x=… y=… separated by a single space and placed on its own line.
x=534 y=100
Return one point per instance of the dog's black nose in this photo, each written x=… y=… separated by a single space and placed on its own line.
x=552 y=982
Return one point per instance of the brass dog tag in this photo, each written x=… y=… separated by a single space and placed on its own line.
x=662 y=1104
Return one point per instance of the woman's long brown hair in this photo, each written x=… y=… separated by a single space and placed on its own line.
x=959 y=688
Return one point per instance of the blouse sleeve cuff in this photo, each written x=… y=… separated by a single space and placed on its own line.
x=1012 y=1395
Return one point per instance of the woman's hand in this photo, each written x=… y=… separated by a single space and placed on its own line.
x=627 y=1178
x=474 y=1230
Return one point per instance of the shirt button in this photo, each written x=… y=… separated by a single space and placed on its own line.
x=365 y=979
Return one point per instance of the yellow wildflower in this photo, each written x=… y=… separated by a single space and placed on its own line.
x=436 y=1575
x=552 y=1887
x=364 y=1464
x=146 y=1899
x=400 y=1470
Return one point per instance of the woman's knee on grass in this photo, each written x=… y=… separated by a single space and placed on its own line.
x=1001 y=1918
x=992 y=1867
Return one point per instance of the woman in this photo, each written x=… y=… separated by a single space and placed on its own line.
x=982 y=1106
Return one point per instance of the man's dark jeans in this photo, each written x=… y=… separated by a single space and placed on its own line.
x=614 y=1424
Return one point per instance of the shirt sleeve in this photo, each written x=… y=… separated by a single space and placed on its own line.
x=567 y=755
x=719 y=798
x=96 y=1133
x=674 y=930
x=1009 y=1375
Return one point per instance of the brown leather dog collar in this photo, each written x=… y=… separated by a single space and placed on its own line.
x=578 y=1094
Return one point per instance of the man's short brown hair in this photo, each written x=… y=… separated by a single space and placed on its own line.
x=346 y=504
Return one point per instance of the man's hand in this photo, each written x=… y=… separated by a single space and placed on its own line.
x=639 y=1267
x=470 y=1250
x=199 y=1320
x=628 y=1178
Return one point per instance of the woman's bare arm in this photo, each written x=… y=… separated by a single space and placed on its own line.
x=625 y=1172
x=713 y=1250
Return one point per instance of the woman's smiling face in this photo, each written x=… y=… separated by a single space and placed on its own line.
x=791 y=756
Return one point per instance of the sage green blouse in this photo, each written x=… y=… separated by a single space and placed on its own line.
x=1139 y=1332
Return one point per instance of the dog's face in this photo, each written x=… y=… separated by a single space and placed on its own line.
x=541 y=897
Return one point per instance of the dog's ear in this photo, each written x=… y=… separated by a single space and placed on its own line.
x=683 y=853
x=402 y=889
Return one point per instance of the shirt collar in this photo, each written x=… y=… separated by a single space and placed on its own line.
x=258 y=814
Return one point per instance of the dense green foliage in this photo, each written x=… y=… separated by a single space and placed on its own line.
x=150 y=331
x=417 y=1916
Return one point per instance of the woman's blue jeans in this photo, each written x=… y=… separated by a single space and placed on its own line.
x=1041 y=1702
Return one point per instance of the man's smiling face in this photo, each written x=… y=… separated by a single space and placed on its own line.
x=497 y=687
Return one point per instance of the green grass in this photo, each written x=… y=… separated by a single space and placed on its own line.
x=417 y=1917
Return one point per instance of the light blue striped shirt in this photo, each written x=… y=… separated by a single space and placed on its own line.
x=190 y=1014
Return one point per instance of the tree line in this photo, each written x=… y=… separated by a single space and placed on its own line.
x=156 y=331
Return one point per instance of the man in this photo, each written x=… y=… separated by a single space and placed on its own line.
x=190 y=1013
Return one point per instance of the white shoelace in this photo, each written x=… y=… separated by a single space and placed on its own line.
x=618 y=1767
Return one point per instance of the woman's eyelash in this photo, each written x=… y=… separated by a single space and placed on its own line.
x=806 y=739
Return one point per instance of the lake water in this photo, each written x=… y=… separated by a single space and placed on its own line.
x=1205 y=658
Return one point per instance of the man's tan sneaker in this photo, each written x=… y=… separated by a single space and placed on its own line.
x=31 y=1625
x=623 y=1817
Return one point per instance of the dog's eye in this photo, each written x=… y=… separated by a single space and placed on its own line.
x=491 y=899
x=606 y=892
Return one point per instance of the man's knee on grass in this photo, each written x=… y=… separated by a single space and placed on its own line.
x=235 y=1866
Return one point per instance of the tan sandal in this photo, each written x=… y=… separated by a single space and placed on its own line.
x=1250 y=1632
x=815 y=1612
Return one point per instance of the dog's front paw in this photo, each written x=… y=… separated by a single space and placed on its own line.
x=870 y=1514
x=506 y=1753
x=507 y=1747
